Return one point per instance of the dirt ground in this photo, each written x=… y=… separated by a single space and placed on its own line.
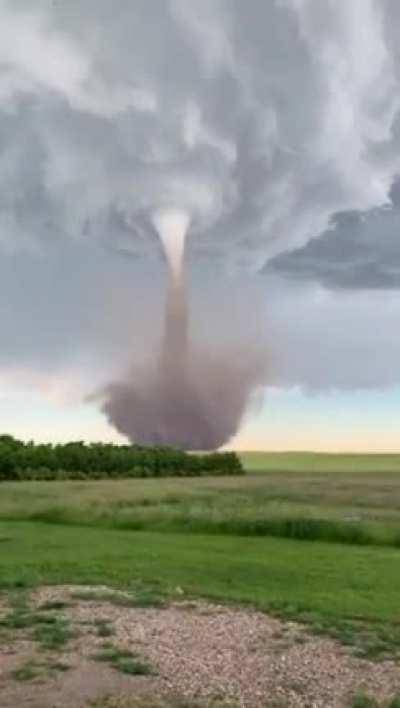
x=218 y=655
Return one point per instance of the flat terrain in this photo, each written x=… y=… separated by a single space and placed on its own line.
x=340 y=498
x=313 y=541
x=320 y=462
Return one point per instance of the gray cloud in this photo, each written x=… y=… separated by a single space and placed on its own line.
x=362 y=252
x=262 y=124
x=269 y=124
x=333 y=339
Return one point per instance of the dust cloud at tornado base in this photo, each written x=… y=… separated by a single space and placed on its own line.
x=187 y=395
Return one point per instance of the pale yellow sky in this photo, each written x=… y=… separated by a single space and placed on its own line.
x=289 y=420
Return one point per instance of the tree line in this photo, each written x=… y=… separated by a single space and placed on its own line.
x=79 y=460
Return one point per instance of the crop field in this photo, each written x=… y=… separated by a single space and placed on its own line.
x=301 y=537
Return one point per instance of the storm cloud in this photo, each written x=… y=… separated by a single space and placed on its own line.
x=274 y=126
x=263 y=123
x=363 y=252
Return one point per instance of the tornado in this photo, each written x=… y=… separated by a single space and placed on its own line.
x=185 y=396
x=172 y=227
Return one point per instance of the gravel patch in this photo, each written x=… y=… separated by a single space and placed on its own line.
x=201 y=651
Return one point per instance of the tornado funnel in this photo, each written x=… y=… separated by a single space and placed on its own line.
x=184 y=397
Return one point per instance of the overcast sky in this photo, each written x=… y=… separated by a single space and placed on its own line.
x=276 y=127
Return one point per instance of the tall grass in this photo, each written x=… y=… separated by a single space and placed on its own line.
x=360 y=509
x=208 y=520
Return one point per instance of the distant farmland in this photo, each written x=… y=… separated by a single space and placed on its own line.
x=320 y=462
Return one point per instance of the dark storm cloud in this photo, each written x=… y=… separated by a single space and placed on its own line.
x=363 y=251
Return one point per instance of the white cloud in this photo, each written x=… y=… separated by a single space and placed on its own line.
x=265 y=122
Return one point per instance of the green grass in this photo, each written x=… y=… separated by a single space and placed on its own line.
x=50 y=605
x=349 y=592
x=31 y=670
x=334 y=579
x=50 y=631
x=124 y=660
x=310 y=504
x=104 y=627
x=320 y=462
x=52 y=635
x=363 y=700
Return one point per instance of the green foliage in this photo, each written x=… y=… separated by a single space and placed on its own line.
x=77 y=460
x=53 y=605
x=32 y=669
x=316 y=509
x=361 y=700
x=125 y=661
x=104 y=628
x=27 y=672
x=49 y=630
x=53 y=633
x=350 y=592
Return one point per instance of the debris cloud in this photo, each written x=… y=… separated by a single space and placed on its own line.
x=188 y=397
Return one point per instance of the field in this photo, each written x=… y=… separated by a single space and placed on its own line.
x=320 y=462
x=346 y=499
x=307 y=537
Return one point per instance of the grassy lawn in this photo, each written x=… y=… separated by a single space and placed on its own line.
x=288 y=575
x=348 y=592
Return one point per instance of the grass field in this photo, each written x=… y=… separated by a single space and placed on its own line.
x=238 y=539
x=346 y=499
x=320 y=462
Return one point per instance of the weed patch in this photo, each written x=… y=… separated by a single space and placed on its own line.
x=371 y=640
x=32 y=670
x=361 y=700
x=104 y=628
x=125 y=661
x=51 y=605
x=51 y=631
x=27 y=672
x=58 y=666
x=53 y=635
